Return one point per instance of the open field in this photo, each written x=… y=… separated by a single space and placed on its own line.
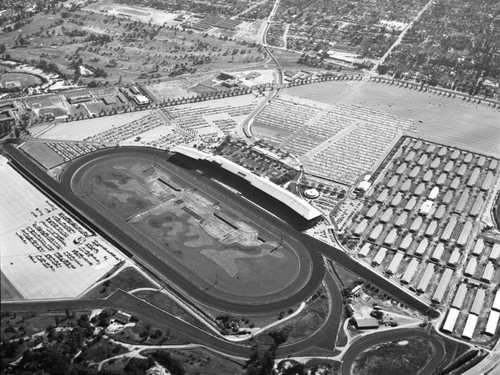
x=22 y=80
x=42 y=253
x=207 y=236
x=439 y=119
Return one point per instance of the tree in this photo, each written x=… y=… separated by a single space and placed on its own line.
x=2 y=48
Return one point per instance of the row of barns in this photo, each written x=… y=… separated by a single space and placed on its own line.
x=474 y=312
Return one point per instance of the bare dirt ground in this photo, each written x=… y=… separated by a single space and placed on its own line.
x=439 y=119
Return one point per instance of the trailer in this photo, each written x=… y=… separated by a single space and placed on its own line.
x=464 y=233
x=460 y=295
x=431 y=229
x=448 y=230
x=405 y=244
x=379 y=257
x=488 y=272
x=391 y=237
x=454 y=258
x=401 y=220
x=375 y=233
x=451 y=320
x=426 y=278
x=437 y=254
x=478 y=247
x=440 y=291
x=395 y=262
x=410 y=271
x=462 y=202
x=471 y=267
x=477 y=206
x=470 y=326
x=473 y=177
x=386 y=216
x=422 y=247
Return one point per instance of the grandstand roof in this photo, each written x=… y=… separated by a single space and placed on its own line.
x=296 y=203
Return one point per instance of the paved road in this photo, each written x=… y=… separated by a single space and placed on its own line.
x=399 y=334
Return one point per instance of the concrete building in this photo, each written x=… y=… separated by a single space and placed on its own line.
x=488 y=181
x=405 y=186
x=427 y=176
x=414 y=172
x=496 y=301
x=435 y=163
x=495 y=252
x=493 y=164
x=461 y=170
x=392 y=182
x=397 y=199
x=441 y=179
x=372 y=211
x=455 y=154
x=411 y=204
x=361 y=227
x=448 y=167
x=386 y=216
x=402 y=168
x=420 y=189
x=455 y=183
x=473 y=177
x=367 y=323
x=426 y=207
x=448 y=197
x=382 y=197
x=468 y=158
x=481 y=161
x=431 y=229
x=440 y=211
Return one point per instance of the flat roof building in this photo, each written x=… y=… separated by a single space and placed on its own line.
x=431 y=148
x=382 y=197
x=493 y=164
x=409 y=156
x=372 y=211
x=405 y=186
x=470 y=326
x=448 y=167
x=407 y=240
x=402 y=168
x=386 y=216
x=477 y=305
x=448 y=197
x=471 y=267
x=435 y=163
x=492 y=324
x=488 y=181
x=416 y=224
x=441 y=179
x=431 y=229
x=410 y=271
x=397 y=199
x=438 y=295
x=426 y=207
x=423 y=159
x=461 y=170
x=464 y=234
x=451 y=320
x=468 y=158
x=422 y=247
x=411 y=204
x=443 y=150
x=426 y=278
x=439 y=213
x=496 y=301
x=495 y=252
x=369 y=323
x=395 y=262
x=393 y=181
x=415 y=171
x=481 y=161
x=455 y=183
x=455 y=154
x=473 y=177
x=361 y=227
x=427 y=176
x=419 y=190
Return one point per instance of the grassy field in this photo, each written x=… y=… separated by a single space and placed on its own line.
x=394 y=358
x=439 y=119
x=21 y=80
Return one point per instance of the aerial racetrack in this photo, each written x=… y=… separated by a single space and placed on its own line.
x=205 y=238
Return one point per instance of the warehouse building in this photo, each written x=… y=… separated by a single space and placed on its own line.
x=454 y=258
x=464 y=234
x=459 y=298
x=471 y=267
x=477 y=206
x=442 y=286
x=422 y=247
x=410 y=271
x=379 y=257
x=401 y=220
x=488 y=272
x=462 y=202
x=448 y=230
x=478 y=247
x=364 y=250
x=477 y=305
x=431 y=229
x=451 y=320
x=391 y=237
x=395 y=262
x=492 y=324
x=426 y=278
x=470 y=326
x=437 y=254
